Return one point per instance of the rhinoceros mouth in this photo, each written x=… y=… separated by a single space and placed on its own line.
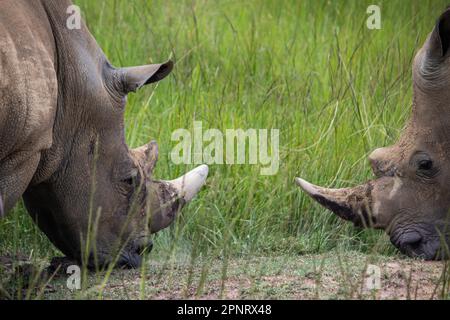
x=131 y=257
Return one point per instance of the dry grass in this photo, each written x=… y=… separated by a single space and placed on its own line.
x=324 y=276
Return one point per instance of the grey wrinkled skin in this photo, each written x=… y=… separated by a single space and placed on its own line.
x=62 y=141
x=410 y=197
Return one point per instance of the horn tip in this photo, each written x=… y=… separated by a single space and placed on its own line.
x=202 y=170
x=197 y=180
x=306 y=186
x=189 y=184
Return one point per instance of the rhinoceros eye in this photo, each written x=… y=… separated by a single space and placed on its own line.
x=129 y=181
x=425 y=165
x=132 y=179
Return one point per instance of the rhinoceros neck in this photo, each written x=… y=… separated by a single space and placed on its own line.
x=80 y=65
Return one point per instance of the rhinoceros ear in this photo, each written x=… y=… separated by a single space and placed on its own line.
x=135 y=77
x=440 y=37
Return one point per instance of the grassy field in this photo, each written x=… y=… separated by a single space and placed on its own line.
x=334 y=88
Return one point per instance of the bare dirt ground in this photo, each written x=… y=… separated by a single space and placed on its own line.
x=326 y=276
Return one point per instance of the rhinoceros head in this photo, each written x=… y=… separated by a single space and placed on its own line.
x=124 y=182
x=410 y=197
x=104 y=198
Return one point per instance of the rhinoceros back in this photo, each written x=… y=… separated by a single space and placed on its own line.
x=28 y=93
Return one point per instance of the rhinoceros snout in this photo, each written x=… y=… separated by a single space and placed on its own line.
x=423 y=245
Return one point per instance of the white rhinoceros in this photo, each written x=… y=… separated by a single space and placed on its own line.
x=410 y=198
x=62 y=141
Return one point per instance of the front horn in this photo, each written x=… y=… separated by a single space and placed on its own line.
x=351 y=204
x=188 y=186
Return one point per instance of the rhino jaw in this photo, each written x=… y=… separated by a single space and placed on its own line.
x=351 y=204
x=188 y=186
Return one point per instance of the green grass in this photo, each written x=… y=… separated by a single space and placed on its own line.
x=335 y=89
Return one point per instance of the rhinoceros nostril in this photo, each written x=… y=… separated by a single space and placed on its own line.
x=411 y=244
x=414 y=245
x=411 y=237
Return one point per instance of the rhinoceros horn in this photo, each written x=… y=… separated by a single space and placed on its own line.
x=189 y=184
x=352 y=204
